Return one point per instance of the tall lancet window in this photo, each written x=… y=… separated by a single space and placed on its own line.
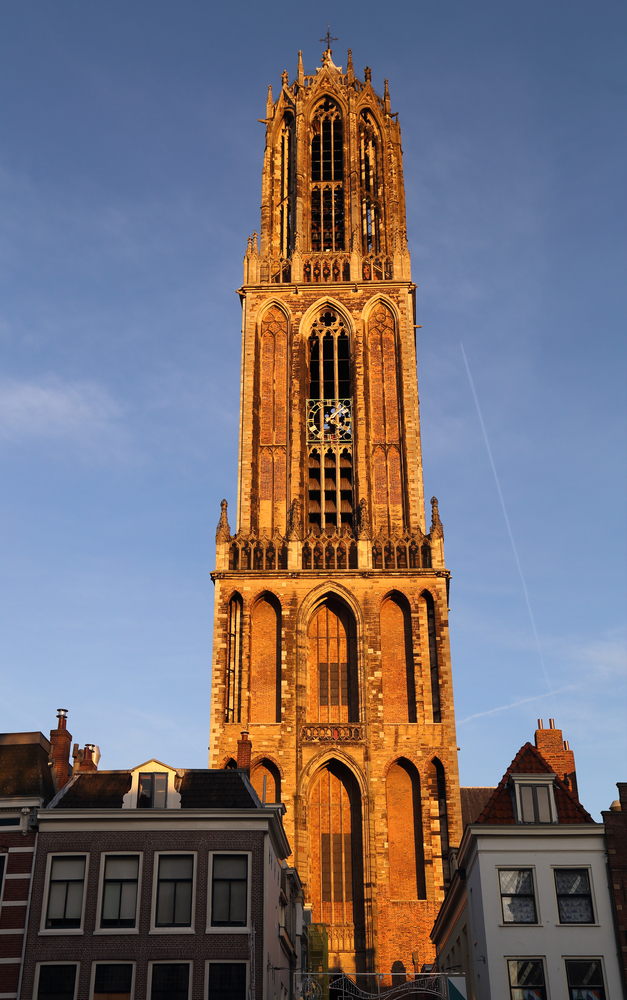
x=371 y=189
x=285 y=197
x=330 y=427
x=327 y=178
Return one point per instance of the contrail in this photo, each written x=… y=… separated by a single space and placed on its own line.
x=514 y=704
x=509 y=529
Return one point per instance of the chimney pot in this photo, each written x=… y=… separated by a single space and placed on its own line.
x=244 y=752
x=62 y=717
x=540 y=724
x=552 y=723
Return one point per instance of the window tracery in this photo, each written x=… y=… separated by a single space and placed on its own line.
x=369 y=156
x=327 y=178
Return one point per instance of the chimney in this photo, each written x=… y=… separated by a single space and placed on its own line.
x=61 y=741
x=244 y=751
x=557 y=754
x=87 y=763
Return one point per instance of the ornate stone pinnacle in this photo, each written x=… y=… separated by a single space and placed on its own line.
x=436 y=524
x=223 y=531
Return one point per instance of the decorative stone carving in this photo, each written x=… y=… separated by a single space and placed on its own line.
x=223 y=531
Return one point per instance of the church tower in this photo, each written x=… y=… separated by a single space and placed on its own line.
x=331 y=596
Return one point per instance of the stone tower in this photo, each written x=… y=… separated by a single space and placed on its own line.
x=331 y=597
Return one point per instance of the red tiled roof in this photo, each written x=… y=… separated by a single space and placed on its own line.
x=499 y=807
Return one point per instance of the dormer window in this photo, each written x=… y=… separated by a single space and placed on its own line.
x=534 y=798
x=153 y=786
x=153 y=791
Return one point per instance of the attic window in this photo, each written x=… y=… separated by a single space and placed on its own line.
x=153 y=791
x=534 y=798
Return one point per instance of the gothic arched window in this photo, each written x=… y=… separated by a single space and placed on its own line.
x=265 y=661
x=268 y=770
x=405 y=838
x=233 y=679
x=285 y=198
x=332 y=665
x=330 y=426
x=433 y=657
x=397 y=662
x=371 y=189
x=336 y=849
x=327 y=178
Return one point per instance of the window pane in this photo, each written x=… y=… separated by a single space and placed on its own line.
x=170 y=982
x=165 y=904
x=238 y=903
x=160 y=789
x=74 y=901
x=56 y=982
x=176 y=866
x=519 y=880
x=183 y=904
x=526 y=801
x=519 y=910
x=111 y=901
x=113 y=979
x=128 y=903
x=67 y=868
x=584 y=973
x=544 y=809
x=220 y=902
x=227 y=981
x=56 y=901
x=121 y=867
x=526 y=972
x=144 y=799
x=575 y=910
x=572 y=880
x=230 y=865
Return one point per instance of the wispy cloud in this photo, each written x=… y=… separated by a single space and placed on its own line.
x=515 y=704
x=78 y=412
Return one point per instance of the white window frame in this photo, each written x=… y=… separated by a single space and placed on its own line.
x=512 y=868
x=5 y=855
x=173 y=798
x=170 y=961
x=54 y=931
x=526 y=958
x=229 y=930
x=225 y=961
x=153 y=906
x=584 y=958
x=595 y=912
x=110 y=961
x=547 y=781
x=118 y=930
x=38 y=969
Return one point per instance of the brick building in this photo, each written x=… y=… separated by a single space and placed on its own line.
x=528 y=913
x=26 y=784
x=156 y=882
x=615 y=820
x=331 y=594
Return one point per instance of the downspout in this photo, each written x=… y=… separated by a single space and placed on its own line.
x=30 y=894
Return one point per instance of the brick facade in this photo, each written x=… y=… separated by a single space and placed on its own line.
x=615 y=820
x=331 y=538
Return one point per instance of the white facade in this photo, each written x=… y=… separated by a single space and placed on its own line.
x=481 y=928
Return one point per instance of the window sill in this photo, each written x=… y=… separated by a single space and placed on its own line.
x=227 y=930
x=172 y=930
x=65 y=932
x=115 y=930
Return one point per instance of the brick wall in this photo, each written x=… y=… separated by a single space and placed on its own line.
x=143 y=947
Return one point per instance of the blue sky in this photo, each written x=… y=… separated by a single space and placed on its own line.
x=130 y=159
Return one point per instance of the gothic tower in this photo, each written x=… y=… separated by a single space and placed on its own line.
x=331 y=598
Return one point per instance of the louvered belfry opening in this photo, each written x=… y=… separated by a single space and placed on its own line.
x=327 y=178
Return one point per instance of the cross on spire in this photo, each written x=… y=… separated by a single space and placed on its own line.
x=327 y=38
